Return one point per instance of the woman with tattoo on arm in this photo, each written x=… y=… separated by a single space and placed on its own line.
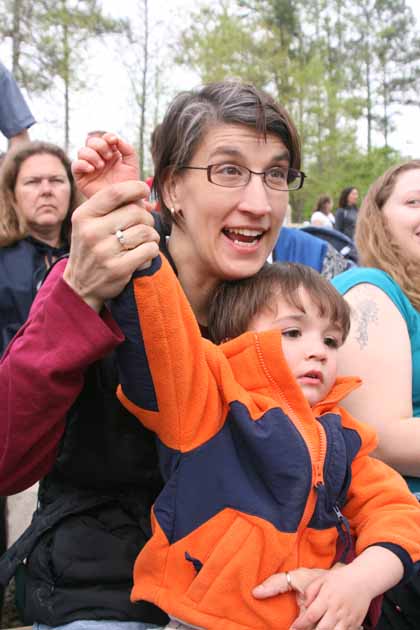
x=383 y=346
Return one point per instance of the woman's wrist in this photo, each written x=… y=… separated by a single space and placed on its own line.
x=91 y=300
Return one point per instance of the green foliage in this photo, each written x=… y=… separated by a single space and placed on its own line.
x=49 y=39
x=339 y=66
x=355 y=168
x=221 y=45
x=65 y=26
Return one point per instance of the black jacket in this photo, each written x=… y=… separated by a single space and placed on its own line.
x=345 y=220
x=77 y=556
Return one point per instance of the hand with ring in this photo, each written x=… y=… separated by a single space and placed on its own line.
x=121 y=238
x=297 y=580
x=112 y=232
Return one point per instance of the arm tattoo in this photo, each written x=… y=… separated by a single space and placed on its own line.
x=365 y=313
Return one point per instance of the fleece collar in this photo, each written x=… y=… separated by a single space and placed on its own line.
x=264 y=349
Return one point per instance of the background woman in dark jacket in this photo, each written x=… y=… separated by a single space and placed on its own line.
x=346 y=215
x=37 y=197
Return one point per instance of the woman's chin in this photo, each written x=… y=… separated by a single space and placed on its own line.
x=236 y=270
x=241 y=261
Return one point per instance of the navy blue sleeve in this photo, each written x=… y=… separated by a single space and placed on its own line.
x=134 y=372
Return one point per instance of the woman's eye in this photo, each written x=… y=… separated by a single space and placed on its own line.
x=291 y=332
x=228 y=169
x=278 y=173
x=414 y=202
x=331 y=342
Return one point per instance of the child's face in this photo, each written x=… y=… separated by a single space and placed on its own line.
x=310 y=343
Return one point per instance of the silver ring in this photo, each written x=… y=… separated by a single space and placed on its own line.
x=120 y=237
x=289 y=581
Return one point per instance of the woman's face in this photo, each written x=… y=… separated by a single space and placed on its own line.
x=42 y=192
x=229 y=232
x=402 y=213
x=327 y=207
x=353 y=197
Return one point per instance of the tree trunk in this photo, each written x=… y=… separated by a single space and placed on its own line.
x=16 y=37
x=66 y=87
x=144 y=88
x=368 y=104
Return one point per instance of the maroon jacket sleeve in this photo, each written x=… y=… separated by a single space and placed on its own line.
x=41 y=375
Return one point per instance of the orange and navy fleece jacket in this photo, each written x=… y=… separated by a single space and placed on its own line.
x=257 y=482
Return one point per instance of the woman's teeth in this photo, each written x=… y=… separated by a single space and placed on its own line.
x=243 y=236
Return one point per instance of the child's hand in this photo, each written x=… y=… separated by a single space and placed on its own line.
x=103 y=161
x=337 y=599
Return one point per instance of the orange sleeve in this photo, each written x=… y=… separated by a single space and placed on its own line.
x=380 y=506
x=169 y=375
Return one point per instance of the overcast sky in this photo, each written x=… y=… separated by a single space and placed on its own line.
x=105 y=105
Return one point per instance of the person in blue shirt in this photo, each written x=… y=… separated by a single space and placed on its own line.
x=15 y=115
x=384 y=342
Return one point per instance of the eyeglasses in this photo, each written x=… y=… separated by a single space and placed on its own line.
x=280 y=178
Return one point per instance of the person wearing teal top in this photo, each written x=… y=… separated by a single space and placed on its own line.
x=383 y=346
x=411 y=316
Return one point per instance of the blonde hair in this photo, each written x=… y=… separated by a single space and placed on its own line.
x=374 y=240
x=12 y=227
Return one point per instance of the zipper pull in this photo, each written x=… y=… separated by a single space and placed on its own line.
x=343 y=529
x=338 y=513
x=319 y=475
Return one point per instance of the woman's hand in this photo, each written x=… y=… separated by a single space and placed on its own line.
x=100 y=263
x=104 y=160
x=277 y=583
x=299 y=580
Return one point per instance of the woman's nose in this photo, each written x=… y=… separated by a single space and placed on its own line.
x=255 y=198
x=45 y=186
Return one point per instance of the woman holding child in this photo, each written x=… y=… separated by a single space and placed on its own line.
x=100 y=467
x=270 y=299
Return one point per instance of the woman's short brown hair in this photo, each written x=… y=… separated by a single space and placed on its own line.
x=12 y=228
x=191 y=114
x=235 y=303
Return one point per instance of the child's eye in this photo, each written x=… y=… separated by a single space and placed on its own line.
x=291 y=332
x=332 y=342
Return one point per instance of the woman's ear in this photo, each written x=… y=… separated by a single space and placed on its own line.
x=171 y=191
x=173 y=198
